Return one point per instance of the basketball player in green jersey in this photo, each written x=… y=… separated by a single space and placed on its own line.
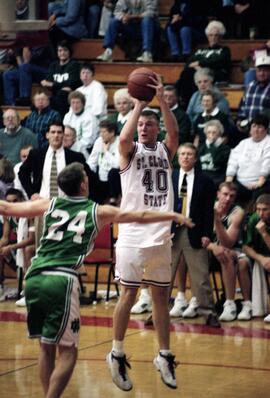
x=51 y=287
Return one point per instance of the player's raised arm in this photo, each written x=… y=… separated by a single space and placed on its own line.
x=170 y=122
x=126 y=139
x=110 y=214
x=24 y=209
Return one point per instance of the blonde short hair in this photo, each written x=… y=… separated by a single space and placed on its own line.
x=215 y=25
x=122 y=93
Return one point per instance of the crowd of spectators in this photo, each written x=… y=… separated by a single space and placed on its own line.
x=70 y=109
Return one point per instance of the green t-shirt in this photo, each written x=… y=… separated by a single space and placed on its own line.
x=70 y=227
x=253 y=238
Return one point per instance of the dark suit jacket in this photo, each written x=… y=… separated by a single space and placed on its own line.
x=201 y=207
x=30 y=173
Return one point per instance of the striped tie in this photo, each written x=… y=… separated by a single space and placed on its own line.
x=183 y=196
x=53 y=177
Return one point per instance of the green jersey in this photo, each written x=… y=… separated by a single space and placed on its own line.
x=70 y=227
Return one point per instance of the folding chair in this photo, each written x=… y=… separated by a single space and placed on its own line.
x=103 y=255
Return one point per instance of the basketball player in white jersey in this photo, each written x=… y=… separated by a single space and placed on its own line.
x=144 y=253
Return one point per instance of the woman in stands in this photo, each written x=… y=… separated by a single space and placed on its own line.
x=214 y=56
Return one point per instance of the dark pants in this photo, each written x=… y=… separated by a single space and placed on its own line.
x=102 y=190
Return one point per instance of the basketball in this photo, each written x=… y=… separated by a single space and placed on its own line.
x=137 y=84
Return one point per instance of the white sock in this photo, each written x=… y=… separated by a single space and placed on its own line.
x=145 y=293
x=109 y=50
x=181 y=295
x=165 y=352
x=118 y=347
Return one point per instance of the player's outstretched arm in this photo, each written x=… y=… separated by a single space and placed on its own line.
x=109 y=214
x=126 y=139
x=24 y=209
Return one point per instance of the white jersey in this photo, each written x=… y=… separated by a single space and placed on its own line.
x=146 y=185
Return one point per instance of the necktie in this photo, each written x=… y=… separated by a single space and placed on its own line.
x=183 y=196
x=53 y=177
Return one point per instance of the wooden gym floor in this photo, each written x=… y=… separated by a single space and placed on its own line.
x=231 y=362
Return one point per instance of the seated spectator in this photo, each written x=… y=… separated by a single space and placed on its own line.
x=214 y=154
x=33 y=68
x=123 y=104
x=210 y=112
x=55 y=6
x=104 y=164
x=257 y=247
x=256 y=98
x=63 y=77
x=215 y=56
x=70 y=140
x=13 y=137
x=186 y=27
x=203 y=79
x=249 y=162
x=41 y=116
x=226 y=249
x=95 y=94
x=106 y=14
x=24 y=155
x=6 y=177
x=135 y=18
x=9 y=245
x=82 y=121
x=183 y=121
x=68 y=22
x=22 y=9
x=247 y=18
x=248 y=63
x=93 y=13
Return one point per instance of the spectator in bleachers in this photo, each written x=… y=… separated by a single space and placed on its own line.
x=123 y=104
x=41 y=116
x=32 y=68
x=63 y=77
x=104 y=164
x=135 y=18
x=55 y=5
x=95 y=94
x=210 y=112
x=22 y=9
x=246 y=18
x=248 y=64
x=256 y=98
x=68 y=22
x=257 y=247
x=13 y=137
x=24 y=152
x=93 y=13
x=214 y=154
x=85 y=124
x=203 y=79
x=106 y=14
x=249 y=162
x=185 y=28
x=215 y=56
x=183 y=121
x=70 y=139
x=6 y=177
x=226 y=249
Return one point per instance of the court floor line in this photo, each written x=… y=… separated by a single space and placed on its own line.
x=179 y=326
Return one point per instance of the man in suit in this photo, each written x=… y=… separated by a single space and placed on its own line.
x=35 y=172
x=194 y=196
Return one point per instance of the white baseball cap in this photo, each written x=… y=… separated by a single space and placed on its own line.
x=263 y=61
